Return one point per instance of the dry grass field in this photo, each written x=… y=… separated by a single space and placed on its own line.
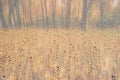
x=59 y=54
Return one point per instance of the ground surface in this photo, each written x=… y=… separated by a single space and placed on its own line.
x=59 y=54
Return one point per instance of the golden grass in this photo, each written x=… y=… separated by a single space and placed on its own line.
x=59 y=54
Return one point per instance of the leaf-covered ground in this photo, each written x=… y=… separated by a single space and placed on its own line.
x=59 y=54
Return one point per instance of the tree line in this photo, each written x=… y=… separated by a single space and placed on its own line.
x=19 y=13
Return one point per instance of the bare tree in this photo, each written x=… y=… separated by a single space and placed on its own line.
x=86 y=6
x=42 y=10
x=62 y=13
x=78 y=11
x=53 y=11
x=101 y=7
x=68 y=13
x=18 y=20
x=11 y=16
x=37 y=19
x=24 y=11
x=45 y=4
x=14 y=13
x=29 y=1
x=2 y=18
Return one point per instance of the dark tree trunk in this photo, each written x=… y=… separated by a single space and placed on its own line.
x=2 y=18
x=84 y=15
x=68 y=13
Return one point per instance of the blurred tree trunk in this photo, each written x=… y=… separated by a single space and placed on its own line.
x=84 y=14
x=2 y=18
x=68 y=13
x=37 y=19
x=24 y=12
x=18 y=17
x=46 y=13
x=78 y=12
x=101 y=7
x=86 y=6
x=62 y=14
x=53 y=11
x=42 y=10
x=30 y=23
x=11 y=16
x=14 y=13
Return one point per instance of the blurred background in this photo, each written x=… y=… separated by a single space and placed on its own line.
x=59 y=13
